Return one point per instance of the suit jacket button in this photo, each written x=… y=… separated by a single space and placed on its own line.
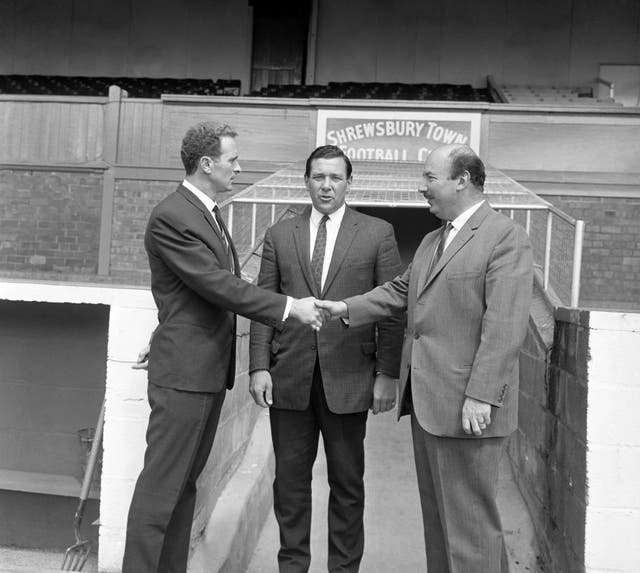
x=313 y=347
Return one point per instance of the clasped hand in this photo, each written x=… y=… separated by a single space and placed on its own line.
x=316 y=312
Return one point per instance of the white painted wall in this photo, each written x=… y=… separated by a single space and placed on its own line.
x=613 y=442
x=126 y=417
x=132 y=317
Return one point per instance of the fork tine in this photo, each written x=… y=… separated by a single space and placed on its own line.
x=76 y=556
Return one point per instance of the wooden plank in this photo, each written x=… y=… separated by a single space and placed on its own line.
x=252 y=171
x=564 y=146
x=575 y=177
x=265 y=134
x=50 y=132
x=50 y=484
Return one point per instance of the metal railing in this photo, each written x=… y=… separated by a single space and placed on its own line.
x=556 y=237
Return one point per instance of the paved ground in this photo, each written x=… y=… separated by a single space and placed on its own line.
x=393 y=526
x=14 y=560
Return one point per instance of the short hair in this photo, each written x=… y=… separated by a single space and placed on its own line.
x=327 y=152
x=463 y=159
x=203 y=139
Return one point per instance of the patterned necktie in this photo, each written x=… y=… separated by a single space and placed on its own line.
x=317 y=259
x=440 y=248
x=226 y=241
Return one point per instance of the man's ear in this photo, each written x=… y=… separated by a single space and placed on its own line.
x=205 y=163
x=463 y=180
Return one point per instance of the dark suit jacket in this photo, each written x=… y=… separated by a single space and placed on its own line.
x=365 y=255
x=193 y=347
x=466 y=322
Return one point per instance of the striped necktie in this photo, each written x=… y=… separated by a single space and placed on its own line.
x=317 y=259
x=446 y=229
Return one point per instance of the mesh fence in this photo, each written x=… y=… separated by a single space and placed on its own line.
x=561 y=259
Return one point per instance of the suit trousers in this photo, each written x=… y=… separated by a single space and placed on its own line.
x=295 y=437
x=182 y=427
x=458 y=484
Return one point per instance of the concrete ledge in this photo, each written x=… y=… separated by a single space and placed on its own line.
x=237 y=519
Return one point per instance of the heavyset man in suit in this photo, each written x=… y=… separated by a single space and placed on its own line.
x=196 y=284
x=324 y=382
x=468 y=293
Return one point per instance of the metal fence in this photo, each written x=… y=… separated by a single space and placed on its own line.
x=556 y=237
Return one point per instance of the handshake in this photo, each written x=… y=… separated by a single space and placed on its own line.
x=316 y=312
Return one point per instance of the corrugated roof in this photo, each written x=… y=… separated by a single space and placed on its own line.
x=385 y=184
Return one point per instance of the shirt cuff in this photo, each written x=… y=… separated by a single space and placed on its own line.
x=287 y=308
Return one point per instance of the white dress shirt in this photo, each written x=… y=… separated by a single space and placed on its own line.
x=207 y=201
x=459 y=222
x=333 y=226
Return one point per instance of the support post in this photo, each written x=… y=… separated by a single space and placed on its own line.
x=547 y=250
x=110 y=153
x=577 y=263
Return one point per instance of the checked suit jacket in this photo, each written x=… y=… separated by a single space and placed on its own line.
x=466 y=322
x=365 y=255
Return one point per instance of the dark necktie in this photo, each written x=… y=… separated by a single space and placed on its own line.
x=226 y=240
x=440 y=248
x=317 y=259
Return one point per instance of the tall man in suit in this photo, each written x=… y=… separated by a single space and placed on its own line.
x=196 y=284
x=468 y=293
x=324 y=382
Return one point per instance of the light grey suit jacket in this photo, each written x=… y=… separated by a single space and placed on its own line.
x=466 y=322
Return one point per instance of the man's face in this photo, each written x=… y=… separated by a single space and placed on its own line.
x=223 y=169
x=440 y=190
x=327 y=184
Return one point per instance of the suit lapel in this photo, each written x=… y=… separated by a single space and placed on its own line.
x=430 y=250
x=462 y=237
x=301 y=242
x=208 y=216
x=346 y=234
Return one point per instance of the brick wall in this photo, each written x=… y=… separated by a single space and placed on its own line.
x=133 y=203
x=50 y=225
x=50 y=221
x=548 y=451
x=611 y=255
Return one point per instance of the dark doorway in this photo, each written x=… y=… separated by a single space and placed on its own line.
x=280 y=31
x=410 y=226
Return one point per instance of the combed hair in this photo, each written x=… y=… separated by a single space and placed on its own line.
x=203 y=139
x=327 y=152
x=465 y=159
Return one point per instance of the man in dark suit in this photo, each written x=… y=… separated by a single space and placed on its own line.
x=468 y=294
x=196 y=284
x=324 y=382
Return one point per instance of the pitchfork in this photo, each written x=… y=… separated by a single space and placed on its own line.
x=77 y=554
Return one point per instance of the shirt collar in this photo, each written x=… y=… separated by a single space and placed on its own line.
x=335 y=217
x=205 y=199
x=461 y=219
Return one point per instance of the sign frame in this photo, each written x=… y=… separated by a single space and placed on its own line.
x=474 y=119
